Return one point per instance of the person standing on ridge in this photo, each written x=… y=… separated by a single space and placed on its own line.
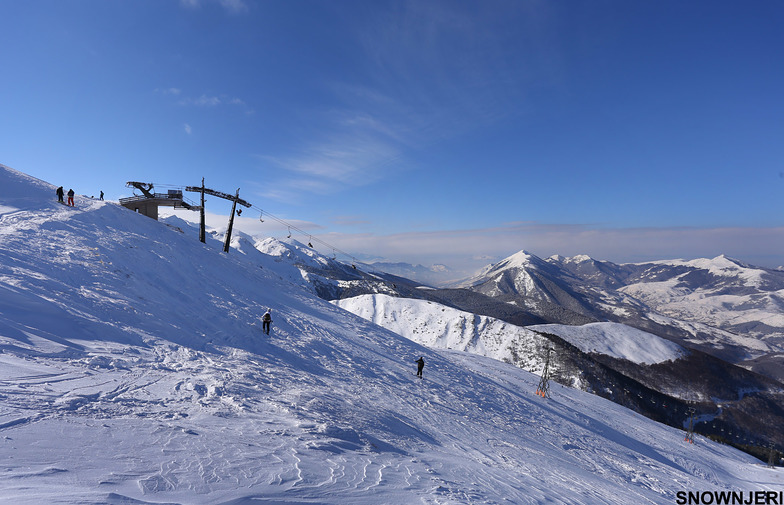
x=420 y=365
x=101 y=197
x=60 y=194
x=266 y=320
x=70 y=197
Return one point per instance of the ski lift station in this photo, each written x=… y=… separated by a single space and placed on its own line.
x=148 y=202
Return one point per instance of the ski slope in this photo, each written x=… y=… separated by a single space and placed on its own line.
x=133 y=371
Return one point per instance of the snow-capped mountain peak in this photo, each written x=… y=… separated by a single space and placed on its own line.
x=580 y=258
x=520 y=259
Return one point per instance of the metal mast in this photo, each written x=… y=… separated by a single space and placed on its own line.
x=234 y=198
x=543 y=389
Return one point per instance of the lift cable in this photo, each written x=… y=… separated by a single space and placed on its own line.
x=311 y=238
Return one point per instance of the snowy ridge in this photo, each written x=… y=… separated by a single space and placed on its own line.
x=294 y=251
x=722 y=266
x=133 y=370
x=442 y=327
x=616 y=340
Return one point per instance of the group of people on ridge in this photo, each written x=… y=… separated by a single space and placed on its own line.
x=70 y=196
x=61 y=193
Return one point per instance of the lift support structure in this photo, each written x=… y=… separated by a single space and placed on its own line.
x=235 y=199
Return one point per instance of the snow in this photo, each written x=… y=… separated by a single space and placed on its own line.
x=439 y=326
x=616 y=340
x=753 y=346
x=722 y=266
x=133 y=370
x=519 y=259
x=675 y=302
x=436 y=325
x=292 y=250
x=580 y=258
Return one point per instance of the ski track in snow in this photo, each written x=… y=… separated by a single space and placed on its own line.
x=133 y=370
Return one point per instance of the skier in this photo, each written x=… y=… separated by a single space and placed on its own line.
x=70 y=197
x=266 y=320
x=60 y=194
x=101 y=197
x=420 y=365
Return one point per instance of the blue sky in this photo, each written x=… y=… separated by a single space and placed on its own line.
x=426 y=131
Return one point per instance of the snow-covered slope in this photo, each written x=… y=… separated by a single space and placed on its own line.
x=616 y=340
x=133 y=370
x=442 y=327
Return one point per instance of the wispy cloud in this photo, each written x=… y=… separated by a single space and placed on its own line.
x=206 y=101
x=212 y=101
x=235 y=6
x=202 y=101
x=188 y=129
x=448 y=67
x=349 y=157
x=168 y=91
x=424 y=75
x=232 y=6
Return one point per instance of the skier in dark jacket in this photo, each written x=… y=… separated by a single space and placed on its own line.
x=420 y=365
x=60 y=194
x=70 y=197
x=266 y=320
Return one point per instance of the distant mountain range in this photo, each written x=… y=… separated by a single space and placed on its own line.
x=724 y=307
